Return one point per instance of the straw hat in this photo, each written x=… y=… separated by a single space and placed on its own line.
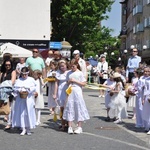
x=116 y=75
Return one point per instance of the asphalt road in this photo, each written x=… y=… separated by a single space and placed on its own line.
x=97 y=134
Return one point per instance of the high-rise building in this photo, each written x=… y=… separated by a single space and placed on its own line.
x=136 y=26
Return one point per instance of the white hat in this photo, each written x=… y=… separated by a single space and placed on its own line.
x=102 y=55
x=76 y=52
x=116 y=75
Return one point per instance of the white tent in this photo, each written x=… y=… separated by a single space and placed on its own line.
x=15 y=50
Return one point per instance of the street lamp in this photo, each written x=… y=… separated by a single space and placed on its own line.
x=105 y=53
x=125 y=51
x=132 y=46
x=144 y=47
x=112 y=53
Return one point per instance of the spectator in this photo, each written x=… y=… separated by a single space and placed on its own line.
x=20 y=65
x=81 y=62
x=36 y=63
x=133 y=63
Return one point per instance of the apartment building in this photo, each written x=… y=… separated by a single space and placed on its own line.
x=136 y=27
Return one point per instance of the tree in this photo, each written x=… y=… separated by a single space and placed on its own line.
x=75 y=20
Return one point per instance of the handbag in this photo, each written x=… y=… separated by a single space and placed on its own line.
x=105 y=76
x=57 y=108
x=5 y=109
x=69 y=90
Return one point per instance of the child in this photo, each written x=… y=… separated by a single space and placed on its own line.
x=39 y=100
x=52 y=86
x=75 y=108
x=62 y=86
x=139 y=96
x=146 y=104
x=109 y=84
x=118 y=101
x=24 y=110
x=132 y=98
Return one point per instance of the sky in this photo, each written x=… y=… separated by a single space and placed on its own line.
x=114 y=21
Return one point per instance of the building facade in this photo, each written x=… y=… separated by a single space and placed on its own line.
x=136 y=27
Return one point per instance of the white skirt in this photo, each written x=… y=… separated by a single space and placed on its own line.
x=132 y=101
x=75 y=109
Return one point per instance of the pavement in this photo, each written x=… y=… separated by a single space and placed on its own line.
x=97 y=134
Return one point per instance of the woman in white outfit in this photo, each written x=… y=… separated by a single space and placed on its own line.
x=75 y=109
x=24 y=109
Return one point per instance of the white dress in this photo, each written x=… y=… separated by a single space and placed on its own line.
x=146 y=106
x=51 y=86
x=118 y=104
x=39 y=100
x=75 y=109
x=24 y=109
x=108 y=82
x=132 y=99
x=62 y=86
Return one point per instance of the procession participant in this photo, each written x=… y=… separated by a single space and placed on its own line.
x=118 y=101
x=75 y=108
x=24 y=109
x=109 y=84
x=52 y=86
x=62 y=86
x=146 y=103
x=8 y=73
x=133 y=63
x=39 y=99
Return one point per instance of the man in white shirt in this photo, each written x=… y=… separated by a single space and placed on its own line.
x=81 y=62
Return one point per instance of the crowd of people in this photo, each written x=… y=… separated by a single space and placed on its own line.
x=64 y=80
x=28 y=79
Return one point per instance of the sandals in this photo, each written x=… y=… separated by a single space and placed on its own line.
x=8 y=127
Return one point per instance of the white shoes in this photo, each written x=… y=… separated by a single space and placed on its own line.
x=118 y=121
x=70 y=130
x=38 y=123
x=78 y=130
x=101 y=96
x=23 y=132
x=148 y=133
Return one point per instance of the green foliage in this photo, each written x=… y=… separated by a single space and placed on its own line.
x=75 y=20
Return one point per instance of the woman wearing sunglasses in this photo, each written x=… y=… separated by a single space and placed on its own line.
x=8 y=73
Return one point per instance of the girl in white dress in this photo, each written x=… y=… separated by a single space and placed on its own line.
x=132 y=98
x=75 y=109
x=62 y=86
x=24 y=109
x=110 y=85
x=39 y=100
x=146 y=104
x=118 y=100
x=52 y=87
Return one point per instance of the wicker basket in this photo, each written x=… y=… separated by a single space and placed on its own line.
x=23 y=94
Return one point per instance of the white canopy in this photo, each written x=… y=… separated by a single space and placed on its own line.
x=15 y=50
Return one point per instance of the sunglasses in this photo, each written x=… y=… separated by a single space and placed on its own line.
x=134 y=51
x=7 y=64
x=35 y=51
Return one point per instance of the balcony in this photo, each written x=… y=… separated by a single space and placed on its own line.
x=137 y=10
x=147 y=22
x=123 y=33
x=148 y=2
x=138 y=28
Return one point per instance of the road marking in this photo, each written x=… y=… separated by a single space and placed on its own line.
x=115 y=140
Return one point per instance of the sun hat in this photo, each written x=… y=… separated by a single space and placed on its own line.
x=76 y=52
x=116 y=75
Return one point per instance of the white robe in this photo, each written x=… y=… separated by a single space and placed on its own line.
x=24 y=109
